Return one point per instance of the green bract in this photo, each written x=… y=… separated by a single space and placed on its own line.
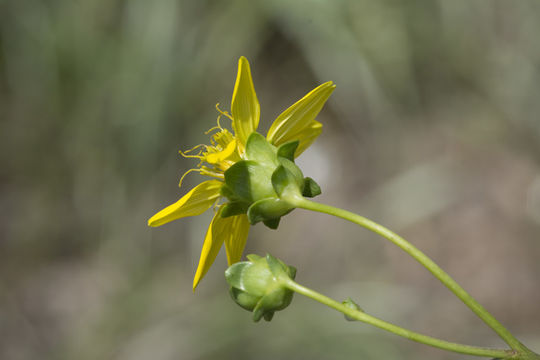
x=262 y=184
x=258 y=285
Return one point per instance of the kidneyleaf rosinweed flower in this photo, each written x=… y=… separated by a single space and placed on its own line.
x=253 y=174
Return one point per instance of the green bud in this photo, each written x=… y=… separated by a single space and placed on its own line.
x=351 y=304
x=260 y=185
x=257 y=285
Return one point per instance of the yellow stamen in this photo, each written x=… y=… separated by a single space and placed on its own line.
x=198 y=156
x=191 y=156
x=212 y=129
x=205 y=170
x=187 y=172
x=225 y=113
x=218 y=127
x=216 y=205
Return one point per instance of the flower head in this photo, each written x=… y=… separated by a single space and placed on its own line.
x=248 y=171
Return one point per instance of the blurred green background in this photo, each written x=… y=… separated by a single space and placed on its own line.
x=433 y=130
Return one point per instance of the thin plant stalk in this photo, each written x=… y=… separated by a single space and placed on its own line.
x=414 y=336
x=422 y=258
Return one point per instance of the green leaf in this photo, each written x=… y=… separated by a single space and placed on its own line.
x=283 y=179
x=288 y=149
x=258 y=311
x=267 y=209
x=268 y=315
x=228 y=193
x=234 y=208
x=253 y=257
x=258 y=149
x=234 y=274
x=237 y=179
x=248 y=180
x=292 y=272
x=278 y=299
x=311 y=188
x=294 y=169
x=278 y=268
x=272 y=223
x=242 y=298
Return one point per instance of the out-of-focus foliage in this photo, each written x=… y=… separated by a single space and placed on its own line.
x=433 y=130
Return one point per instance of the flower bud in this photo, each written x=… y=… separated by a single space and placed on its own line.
x=351 y=304
x=260 y=185
x=258 y=285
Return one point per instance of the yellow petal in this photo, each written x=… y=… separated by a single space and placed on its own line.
x=217 y=157
x=235 y=243
x=307 y=136
x=298 y=118
x=195 y=202
x=233 y=231
x=245 y=106
x=212 y=243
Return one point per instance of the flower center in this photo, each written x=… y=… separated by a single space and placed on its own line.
x=216 y=158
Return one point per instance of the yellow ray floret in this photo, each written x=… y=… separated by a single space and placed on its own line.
x=233 y=231
x=300 y=118
x=306 y=136
x=195 y=202
x=236 y=241
x=245 y=107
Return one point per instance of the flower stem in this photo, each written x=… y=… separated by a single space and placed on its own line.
x=428 y=340
x=440 y=274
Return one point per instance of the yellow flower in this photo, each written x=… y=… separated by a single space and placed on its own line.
x=297 y=123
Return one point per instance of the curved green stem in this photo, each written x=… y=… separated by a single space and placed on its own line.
x=428 y=340
x=440 y=274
